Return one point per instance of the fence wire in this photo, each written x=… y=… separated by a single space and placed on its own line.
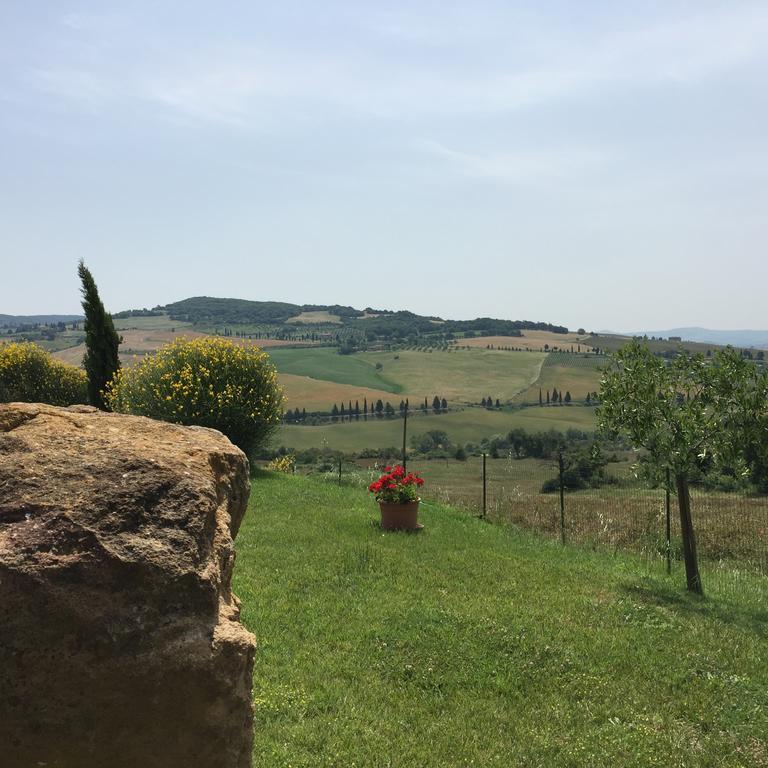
x=618 y=514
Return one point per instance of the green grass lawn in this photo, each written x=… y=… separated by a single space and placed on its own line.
x=470 y=425
x=472 y=645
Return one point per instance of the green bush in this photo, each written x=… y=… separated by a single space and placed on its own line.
x=207 y=382
x=29 y=374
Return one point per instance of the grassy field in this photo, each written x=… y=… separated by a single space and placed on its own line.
x=137 y=342
x=534 y=340
x=576 y=374
x=464 y=376
x=612 y=343
x=153 y=323
x=315 y=317
x=316 y=395
x=472 y=645
x=469 y=425
x=326 y=364
x=144 y=336
x=731 y=529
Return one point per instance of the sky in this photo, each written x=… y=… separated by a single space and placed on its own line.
x=600 y=165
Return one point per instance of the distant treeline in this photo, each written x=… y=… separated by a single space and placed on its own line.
x=376 y=409
x=205 y=310
x=388 y=325
x=35 y=321
x=138 y=313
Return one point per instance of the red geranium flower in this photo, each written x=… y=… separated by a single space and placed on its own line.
x=395 y=486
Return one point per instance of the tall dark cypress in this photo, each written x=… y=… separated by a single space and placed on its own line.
x=101 y=360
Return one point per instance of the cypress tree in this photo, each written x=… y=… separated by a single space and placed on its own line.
x=100 y=361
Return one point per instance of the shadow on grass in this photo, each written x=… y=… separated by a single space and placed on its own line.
x=744 y=615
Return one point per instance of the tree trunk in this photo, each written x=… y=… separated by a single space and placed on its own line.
x=692 y=576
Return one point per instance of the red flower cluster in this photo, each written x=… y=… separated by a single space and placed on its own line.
x=395 y=487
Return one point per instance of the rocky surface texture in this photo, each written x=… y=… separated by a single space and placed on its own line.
x=120 y=641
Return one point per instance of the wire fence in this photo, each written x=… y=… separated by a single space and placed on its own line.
x=619 y=513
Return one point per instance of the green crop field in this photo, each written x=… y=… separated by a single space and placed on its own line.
x=326 y=364
x=472 y=644
x=459 y=376
x=469 y=425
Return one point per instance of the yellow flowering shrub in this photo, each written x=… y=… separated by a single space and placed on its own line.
x=209 y=382
x=286 y=464
x=29 y=374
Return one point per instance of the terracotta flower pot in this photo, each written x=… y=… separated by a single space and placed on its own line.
x=400 y=517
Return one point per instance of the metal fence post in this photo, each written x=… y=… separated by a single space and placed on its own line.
x=485 y=485
x=339 y=471
x=405 y=428
x=668 y=525
x=561 y=469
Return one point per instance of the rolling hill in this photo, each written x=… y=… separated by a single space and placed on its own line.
x=335 y=356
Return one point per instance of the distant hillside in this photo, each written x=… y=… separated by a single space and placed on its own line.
x=745 y=338
x=370 y=323
x=14 y=321
x=207 y=309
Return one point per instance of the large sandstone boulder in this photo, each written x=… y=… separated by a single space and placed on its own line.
x=120 y=641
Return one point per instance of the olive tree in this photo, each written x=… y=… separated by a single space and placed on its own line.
x=683 y=412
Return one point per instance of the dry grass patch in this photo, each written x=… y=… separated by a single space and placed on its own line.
x=319 y=395
x=532 y=340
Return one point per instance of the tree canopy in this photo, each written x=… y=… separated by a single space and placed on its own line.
x=683 y=412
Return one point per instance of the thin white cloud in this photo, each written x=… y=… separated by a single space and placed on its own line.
x=542 y=63
x=522 y=167
x=75 y=85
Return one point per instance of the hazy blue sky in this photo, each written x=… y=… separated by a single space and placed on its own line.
x=597 y=164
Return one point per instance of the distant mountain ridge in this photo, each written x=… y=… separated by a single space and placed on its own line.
x=17 y=320
x=738 y=338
